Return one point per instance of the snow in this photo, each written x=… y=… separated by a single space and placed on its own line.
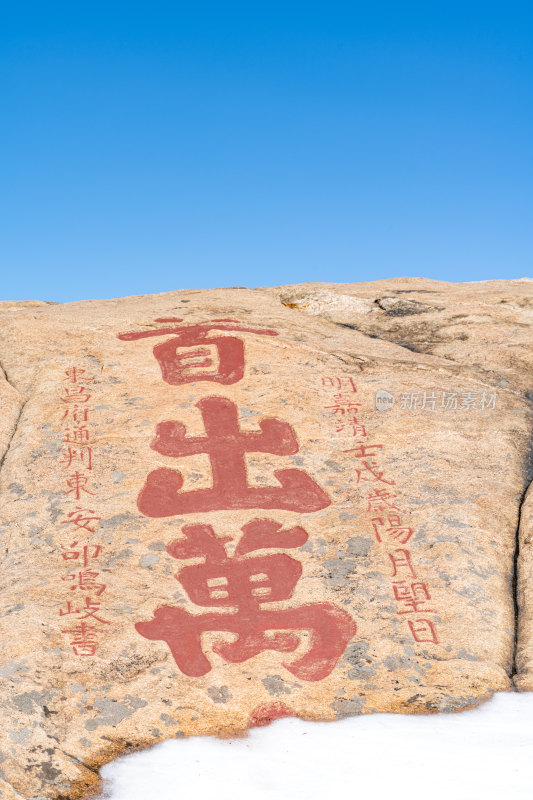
x=483 y=754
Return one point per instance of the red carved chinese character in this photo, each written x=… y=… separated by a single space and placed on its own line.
x=336 y=382
x=358 y=430
x=85 y=582
x=68 y=610
x=77 y=484
x=380 y=500
x=395 y=530
x=344 y=406
x=226 y=446
x=75 y=394
x=196 y=363
x=77 y=413
x=402 y=533
x=423 y=630
x=84 y=455
x=73 y=373
x=371 y=468
x=91 y=608
x=370 y=465
x=88 y=551
x=413 y=596
x=78 y=434
x=401 y=559
x=84 y=639
x=245 y=583
x=350 y=381
x=81 y=520
x=331 y=382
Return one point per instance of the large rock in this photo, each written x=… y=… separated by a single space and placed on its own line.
x=221 y=507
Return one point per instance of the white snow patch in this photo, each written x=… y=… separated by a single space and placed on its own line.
x=484 y=754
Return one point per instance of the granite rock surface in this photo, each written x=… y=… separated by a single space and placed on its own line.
x=222 y=507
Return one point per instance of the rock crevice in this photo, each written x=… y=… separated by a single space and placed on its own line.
x=12 y=405
x=516 y=588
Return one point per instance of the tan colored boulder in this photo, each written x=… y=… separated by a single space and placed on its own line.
x=221 y=507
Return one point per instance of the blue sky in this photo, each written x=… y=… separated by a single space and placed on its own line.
x=152 y=146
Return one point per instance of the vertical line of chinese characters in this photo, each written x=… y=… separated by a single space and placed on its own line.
x=83 y=587
x=389 y=522
x=242 y=583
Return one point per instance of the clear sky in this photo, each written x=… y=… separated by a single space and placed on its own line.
x=152 y=146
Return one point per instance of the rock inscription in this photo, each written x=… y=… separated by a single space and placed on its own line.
x=219 y=508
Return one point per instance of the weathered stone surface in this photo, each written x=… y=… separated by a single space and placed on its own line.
x=524 y=577
x=399 y=601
